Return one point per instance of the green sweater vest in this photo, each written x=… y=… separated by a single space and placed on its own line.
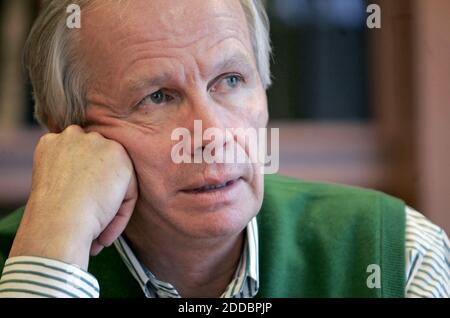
x=316 y=240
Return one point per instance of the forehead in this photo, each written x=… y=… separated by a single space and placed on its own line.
x=112 y=26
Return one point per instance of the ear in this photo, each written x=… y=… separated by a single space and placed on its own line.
x=53 y=127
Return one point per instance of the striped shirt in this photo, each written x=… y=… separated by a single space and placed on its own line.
x=427 y=251
x=427 y=258
x=245 y=282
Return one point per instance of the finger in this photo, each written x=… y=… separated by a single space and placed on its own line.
x=132 y=190
x=96 y=248
x=117 y=225
x=115 y=228
x=121 y=219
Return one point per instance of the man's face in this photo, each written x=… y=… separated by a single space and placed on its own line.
x=158 y=65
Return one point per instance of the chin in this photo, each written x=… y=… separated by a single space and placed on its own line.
x=224 y=222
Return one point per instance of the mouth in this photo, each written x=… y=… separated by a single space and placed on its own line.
x=212 y=186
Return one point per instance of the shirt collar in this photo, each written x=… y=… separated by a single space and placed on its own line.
x=245 y=282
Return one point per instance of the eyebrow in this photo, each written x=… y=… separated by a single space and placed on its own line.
x=159 y=80
x=238 y=61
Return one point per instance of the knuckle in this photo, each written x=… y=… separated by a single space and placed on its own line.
x=95 y=138
x=45 y=139
x=73 y=129
x=94 y=134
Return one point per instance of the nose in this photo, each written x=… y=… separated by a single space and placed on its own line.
x=207 y=124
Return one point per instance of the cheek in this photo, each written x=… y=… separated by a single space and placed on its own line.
x=141 y=151
x=148 y=145
x=154 y=172
x=259 y=112
x=254 y=112
x=150 y=156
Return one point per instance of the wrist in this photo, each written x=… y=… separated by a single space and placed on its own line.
x=54 y=249
x=66 y=241
x=52 y=246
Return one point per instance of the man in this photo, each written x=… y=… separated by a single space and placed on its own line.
x=111 y=93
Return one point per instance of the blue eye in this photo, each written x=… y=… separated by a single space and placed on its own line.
x=156 y=98
x=233 y=81
x=227 y=83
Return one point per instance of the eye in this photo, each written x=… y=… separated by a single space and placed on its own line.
x=227 y=83
x=232 y=81
x=157 y=98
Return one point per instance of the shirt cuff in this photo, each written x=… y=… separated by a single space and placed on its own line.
x=31 y=276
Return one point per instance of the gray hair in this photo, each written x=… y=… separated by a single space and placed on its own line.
x=57 y=76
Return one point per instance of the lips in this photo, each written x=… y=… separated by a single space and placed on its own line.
x=211 y=185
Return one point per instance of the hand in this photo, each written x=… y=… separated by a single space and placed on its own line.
x=83 y=194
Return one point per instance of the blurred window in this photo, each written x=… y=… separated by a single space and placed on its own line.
x=320 y=64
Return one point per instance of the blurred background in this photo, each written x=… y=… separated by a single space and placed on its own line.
x=366 y=107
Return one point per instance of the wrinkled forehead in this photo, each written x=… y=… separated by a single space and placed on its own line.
x=114 y=25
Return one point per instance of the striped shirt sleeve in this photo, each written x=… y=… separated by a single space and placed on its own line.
x=427 y=258
x=37 y=277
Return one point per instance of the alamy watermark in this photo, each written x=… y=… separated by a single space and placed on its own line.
x=229 y=146
x=374 y=279
x=373 y=20
x=73 y=20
